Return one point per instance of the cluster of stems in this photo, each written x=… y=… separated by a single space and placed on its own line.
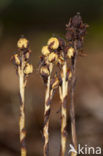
x=23 y=69
x=63 y=54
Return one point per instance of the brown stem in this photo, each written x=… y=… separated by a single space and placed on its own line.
x=48 y=96
x=22 y=113
x=72 y=109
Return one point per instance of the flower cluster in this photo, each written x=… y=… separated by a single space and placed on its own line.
x=58 y=50
x=21 y=59
x=50 y=58
x=53 y=53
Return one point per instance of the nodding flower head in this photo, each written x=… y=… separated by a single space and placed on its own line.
x=52 y=57
x=22 y=43
x=28 y=69
x=53 y=43
x=45 y=51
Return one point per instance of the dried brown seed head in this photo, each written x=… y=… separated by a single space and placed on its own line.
x=76 y=20
x=45 y=51
x=44 y=71
x=22 y=43
x=53 y=42
x=17 y=60
x=28 y=69
x=76 y=30
x=70 y=52
x=52 y=57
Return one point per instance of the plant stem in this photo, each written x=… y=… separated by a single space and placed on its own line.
x=47 y=113
x=22 y=113
x=72 y=109
x=63 y=90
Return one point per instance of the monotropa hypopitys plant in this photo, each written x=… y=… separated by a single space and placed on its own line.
x=47 y=63
x=76 y=31
x=23 y=68
x=62 y=53
x=53 y=55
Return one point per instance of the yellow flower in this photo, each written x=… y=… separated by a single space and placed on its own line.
x=28 y=69
x=52 y=57
x=70 y=52
x=54 y=42
x=22 y=43
x=45 y=51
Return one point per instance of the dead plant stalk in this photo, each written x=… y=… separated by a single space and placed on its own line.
x=48 y=97
x=22 y=113
x=63 y=90
x=23 y=70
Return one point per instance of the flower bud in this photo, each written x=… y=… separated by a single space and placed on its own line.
x=52 y=57
x=45 y=51
x=17 y=60
x=28 y=69
x=70 y=52
x=53 y=42
x=22 y=43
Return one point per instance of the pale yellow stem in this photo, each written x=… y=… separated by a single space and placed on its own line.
x=22 y=113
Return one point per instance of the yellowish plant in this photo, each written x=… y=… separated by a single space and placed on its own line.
x=23 y=68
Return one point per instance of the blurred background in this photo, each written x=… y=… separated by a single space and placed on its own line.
x=38 y=20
